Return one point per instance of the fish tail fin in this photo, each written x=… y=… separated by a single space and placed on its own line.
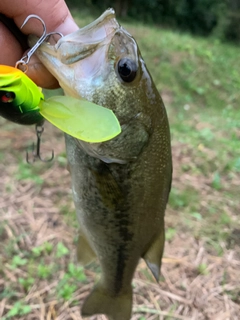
x=117 y=307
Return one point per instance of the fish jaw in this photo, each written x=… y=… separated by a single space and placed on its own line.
x=65 y=58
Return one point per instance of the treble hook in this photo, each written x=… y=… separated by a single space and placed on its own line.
x=25 y=59
x=36 y=155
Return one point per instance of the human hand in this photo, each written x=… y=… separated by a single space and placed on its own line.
x=56 y=16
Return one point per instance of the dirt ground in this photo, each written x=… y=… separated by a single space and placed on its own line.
x=196 y=283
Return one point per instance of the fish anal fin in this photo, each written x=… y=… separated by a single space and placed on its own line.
x=117 y=307
x=153 y=255
x=85 y=253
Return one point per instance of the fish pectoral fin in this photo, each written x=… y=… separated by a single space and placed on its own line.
x=92 y=149
x=117 y=307
x=153 y=256
x=85 y=253
x=125 y=147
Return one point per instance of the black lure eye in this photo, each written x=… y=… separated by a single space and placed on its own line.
x=127 y=69
x=7 y=97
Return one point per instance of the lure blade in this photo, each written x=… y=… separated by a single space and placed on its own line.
x=81 y=119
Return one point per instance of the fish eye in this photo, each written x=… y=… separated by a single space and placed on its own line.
x=7 y=97
x=127 y=69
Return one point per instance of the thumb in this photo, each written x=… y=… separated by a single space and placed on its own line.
x=56 y=16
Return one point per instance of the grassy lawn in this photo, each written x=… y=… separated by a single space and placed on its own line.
x=199 y=80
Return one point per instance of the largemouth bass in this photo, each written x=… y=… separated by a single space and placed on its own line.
x=120 y=187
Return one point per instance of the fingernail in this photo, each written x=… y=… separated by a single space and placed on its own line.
x=68 y=26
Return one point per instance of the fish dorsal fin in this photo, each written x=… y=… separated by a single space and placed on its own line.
x=153 y=256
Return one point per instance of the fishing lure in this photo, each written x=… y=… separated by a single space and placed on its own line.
x=22 y=101
x=19 y=97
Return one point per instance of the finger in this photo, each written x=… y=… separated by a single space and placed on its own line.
x=11 y=50
x=55 y=14
x=40 y=75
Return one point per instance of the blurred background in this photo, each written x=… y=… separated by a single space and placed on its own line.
x=191 y=49
x=205 y=17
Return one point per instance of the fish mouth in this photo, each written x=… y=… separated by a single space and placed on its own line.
x=88 y=43
x=87 y=40
x=97 y=30
x=94 y=32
